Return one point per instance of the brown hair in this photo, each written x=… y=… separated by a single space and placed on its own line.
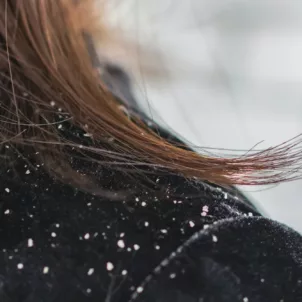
x=45 y=67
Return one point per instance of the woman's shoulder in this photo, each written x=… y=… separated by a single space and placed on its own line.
x=166 y=238
x=66 y=243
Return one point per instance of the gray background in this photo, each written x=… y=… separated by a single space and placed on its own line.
x=229 y=76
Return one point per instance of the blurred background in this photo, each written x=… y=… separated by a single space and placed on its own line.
x=222 y=74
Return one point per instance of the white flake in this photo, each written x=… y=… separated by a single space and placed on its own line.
x=164 y=231
x=6 y=212
x=90 y=271
x=27 y=172
x=215 y=239
x=140 y=289
x=88 y=135
x=45 y=270
x=87 y=236
x=20 y=266
x=206 y=226
x=121 y=244
x=53 y=234
x=136 y=247
x=52 y=103
x=7 y=190
x=30 y=242
x=124 y=272
x=144 y=204
x=205 y=209
x=146 y=223
x=172 y=276
x=109 y=266
x=192 y=224
x=245 y=299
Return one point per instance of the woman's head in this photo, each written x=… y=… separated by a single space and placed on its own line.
x=47 y=75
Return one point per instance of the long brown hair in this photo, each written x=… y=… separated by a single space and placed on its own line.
x=45 y=68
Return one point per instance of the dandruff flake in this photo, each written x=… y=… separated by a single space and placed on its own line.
x=30 y=242
x=191 y=224
x=45 y=270
x=121 y=244
x=90 y=271
x=205 y=209
x=139 y=289
x=172 y=276
x=109 y=266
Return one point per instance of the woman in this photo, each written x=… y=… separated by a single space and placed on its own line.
x=100 y=204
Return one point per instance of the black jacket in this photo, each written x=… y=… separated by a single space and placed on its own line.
x=172 y=240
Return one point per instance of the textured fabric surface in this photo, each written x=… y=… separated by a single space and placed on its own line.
x=169 y=239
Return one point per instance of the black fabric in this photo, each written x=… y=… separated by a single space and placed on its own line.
x=174 y=240
x=170 y=240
